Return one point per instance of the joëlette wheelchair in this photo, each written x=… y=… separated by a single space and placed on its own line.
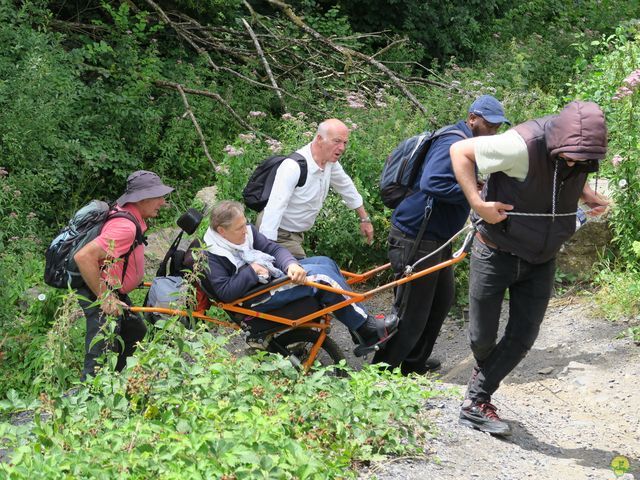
x=300 y=330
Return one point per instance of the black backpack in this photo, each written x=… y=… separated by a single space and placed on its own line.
x=258 y=189
x=60 y=270
x=403 y=165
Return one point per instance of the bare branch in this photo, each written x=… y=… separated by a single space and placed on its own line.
x=389 y=47
x=165 y=18
x=347 y=52
x=206 y=93
x=264 y=63
x=197 y=126
x=84 y=28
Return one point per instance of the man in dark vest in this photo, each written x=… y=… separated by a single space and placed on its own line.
x=525 y=212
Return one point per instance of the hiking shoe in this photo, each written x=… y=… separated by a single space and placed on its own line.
x=432 y=364
x=375 y=328
x=482 y=416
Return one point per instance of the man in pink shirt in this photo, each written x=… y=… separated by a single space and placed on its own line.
x=113 y=264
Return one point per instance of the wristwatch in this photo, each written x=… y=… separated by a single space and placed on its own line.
x=365 y=220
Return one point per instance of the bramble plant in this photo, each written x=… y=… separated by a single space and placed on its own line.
x=186 y=407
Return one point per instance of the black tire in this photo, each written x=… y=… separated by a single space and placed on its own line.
x=298 y=342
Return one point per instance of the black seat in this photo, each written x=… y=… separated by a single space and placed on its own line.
x=259 y=327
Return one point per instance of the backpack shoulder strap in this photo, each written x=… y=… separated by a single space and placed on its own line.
x=303 y=167
x=140 y=239
x=446 y=130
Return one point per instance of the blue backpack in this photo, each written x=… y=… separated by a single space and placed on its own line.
x=402 y=167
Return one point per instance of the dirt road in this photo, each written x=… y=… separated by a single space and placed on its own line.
x=572 y=404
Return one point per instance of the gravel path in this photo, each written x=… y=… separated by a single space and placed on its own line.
x=572 y=404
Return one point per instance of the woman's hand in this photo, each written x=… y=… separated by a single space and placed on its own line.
x=112 y=305
x=296 y=273
x=260 y=270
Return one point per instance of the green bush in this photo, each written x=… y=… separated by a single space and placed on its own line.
x=185 y=407
x=612 y=80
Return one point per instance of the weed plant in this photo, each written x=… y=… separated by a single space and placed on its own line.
x=186 y=408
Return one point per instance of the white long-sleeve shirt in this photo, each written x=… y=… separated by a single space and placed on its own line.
x=295 y=209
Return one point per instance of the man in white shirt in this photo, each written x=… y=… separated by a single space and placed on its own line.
x=292 y=210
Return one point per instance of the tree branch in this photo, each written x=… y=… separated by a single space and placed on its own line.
x=197 y=126
x=265 y=63
x=206 y=93
x=347 y=52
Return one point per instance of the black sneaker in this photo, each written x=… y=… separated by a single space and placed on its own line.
x=374 y=333
x=422 y=368
x=482 y=416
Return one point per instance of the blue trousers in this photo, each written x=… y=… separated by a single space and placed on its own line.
x=320 y=270
x=492 y=273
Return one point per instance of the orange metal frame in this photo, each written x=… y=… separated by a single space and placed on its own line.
x=320 y=320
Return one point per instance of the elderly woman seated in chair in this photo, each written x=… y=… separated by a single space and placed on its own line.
x=240 y=259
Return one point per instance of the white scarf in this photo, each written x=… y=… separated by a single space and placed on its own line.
x=240 y=255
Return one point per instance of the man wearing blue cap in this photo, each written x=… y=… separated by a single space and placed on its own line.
x=429 y=217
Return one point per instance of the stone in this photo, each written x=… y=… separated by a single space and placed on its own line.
x=585 y=248
x=545 y=370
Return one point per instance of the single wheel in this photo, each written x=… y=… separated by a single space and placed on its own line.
x=296 y=345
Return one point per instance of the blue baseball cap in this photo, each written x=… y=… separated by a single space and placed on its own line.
x=490 y=109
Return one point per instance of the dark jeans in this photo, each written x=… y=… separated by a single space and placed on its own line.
x=130 y=327
x=530 y=286
x=427 y=302
x=320 y=270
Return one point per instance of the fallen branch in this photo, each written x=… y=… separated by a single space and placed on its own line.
x=347 y=52
x=165 y=18
x=197 y=126
x=265 y=63
x=206 y=93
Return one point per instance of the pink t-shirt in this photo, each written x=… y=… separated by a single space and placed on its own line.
x=117 y=236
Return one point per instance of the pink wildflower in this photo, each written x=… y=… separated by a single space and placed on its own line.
x=3 y=172
x=633 y=78
x=274 y=145
x=257 y=113
x=233 y=151
x=616 y=160
x=355 y=100
x=247 y=137
x=631 y=83
x=287 y=116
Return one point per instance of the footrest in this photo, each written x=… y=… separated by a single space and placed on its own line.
x=362 y=350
